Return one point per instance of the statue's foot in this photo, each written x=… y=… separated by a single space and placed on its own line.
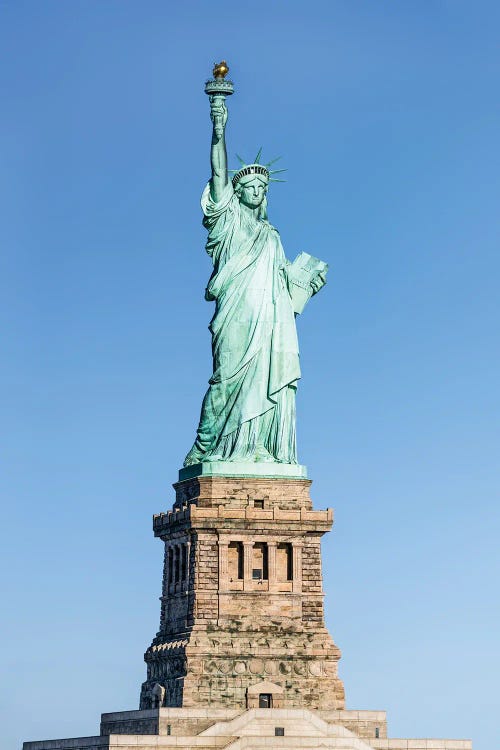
x=193 y=457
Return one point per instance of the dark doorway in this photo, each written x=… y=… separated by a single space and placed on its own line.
x=265 y=700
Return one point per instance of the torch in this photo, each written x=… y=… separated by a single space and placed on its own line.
x=217 y=89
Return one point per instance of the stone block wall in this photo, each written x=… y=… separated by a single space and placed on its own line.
x=242 y=597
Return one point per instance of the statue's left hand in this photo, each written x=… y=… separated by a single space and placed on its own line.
x=318 y=282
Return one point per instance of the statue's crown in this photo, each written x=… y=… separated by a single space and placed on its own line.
x=251 y=169
x=257 y=169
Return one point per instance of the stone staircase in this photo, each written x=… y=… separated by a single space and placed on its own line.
x=281 y=728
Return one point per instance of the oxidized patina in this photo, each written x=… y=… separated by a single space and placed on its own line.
x=248 y=413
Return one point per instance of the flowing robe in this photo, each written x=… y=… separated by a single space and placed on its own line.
x=248 y=412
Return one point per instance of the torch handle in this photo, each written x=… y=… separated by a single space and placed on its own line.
x=218 y=119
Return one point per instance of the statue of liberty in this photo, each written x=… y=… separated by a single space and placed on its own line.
x=248 y=413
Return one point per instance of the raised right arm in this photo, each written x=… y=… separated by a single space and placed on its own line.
x=218 y=153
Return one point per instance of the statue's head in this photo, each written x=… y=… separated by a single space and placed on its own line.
x=251 y=183
x=251 y=190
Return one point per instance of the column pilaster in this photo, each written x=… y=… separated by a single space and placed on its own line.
x=297 y=566
x=271 y=565
x=247 y=566
x=223 y=565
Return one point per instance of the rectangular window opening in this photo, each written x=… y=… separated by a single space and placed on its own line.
x=284 y=561
x=260 y=559
x=177 y=563
x=258 y=504
x=265 y=700
x=289 y=562
x=279 y=731
x=184 y=563
x=170 y=565
x=235 y=561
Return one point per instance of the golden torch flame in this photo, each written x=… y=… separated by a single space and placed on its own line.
x=220 y=69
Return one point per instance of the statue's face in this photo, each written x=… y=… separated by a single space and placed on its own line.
x=252 y=191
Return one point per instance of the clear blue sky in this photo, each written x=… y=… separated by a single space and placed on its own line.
x=387 y=116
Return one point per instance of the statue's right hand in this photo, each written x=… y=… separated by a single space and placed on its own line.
x=218 y=114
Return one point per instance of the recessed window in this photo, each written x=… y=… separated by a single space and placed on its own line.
x=279 y=731
x=177 y=563
x=260 y=558
x=184 y=562
x=257 y=574
x=258 y=504
x=169 y=728
x=377 y=733
x=265 y=700
x=170 y=565
x=284 y=562
x=235 y=561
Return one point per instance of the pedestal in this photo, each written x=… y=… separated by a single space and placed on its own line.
x=242 y=658
x=242 y=598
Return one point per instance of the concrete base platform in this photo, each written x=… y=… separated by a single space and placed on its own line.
x=205 y=729
x=269 y=470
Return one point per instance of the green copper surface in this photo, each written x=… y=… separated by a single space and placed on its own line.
x=243 y=469
x=248 y=413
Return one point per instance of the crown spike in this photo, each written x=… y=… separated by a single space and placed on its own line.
x=255 y=168
x=273 y=161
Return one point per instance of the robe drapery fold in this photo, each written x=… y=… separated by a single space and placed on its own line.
x=249 y=408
